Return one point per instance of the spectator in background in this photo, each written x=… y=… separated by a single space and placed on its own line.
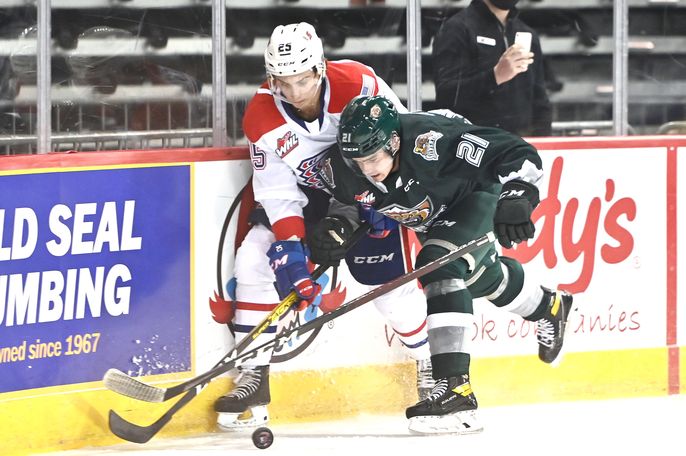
x=482 y=74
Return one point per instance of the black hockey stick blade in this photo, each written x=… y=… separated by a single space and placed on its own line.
x=119 y=382
x=135 y=433
x=141 y=434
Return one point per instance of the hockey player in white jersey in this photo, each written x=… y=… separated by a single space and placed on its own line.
x=290 y=122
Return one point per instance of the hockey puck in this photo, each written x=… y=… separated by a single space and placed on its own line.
x=263 y=438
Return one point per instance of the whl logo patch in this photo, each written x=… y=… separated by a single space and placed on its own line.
x=365 y=198
x=286 y=144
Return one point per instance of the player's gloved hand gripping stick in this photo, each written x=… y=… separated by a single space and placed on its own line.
x=288 y=260
x=134 y=388
x=326 y=238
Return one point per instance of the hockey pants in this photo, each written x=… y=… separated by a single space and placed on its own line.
x=451 y=289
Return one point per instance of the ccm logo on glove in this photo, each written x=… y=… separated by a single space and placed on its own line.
x=288 y=260
x=512 y=221
x=512 y=194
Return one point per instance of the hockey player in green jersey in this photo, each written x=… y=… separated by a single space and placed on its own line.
x=451 y=182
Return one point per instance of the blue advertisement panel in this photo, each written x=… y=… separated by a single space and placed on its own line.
x=94 y=273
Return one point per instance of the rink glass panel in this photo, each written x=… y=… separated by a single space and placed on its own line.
x=17 y=76
x=578 y=46
x=139 y=74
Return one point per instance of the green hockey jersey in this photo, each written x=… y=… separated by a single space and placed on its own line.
x=442 y=158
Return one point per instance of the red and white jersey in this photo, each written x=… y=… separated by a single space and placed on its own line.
x=285 y=149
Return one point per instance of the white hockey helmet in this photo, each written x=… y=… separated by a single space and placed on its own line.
x=294 y=49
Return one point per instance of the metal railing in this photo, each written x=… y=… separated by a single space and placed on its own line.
x=88 y=142
x=121 y=120
x=586 y=128
x=673 y=128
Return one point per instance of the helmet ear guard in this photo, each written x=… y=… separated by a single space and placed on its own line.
x=368 y=124
x=294 y=49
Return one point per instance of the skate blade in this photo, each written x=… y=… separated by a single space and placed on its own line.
x=455 y=423
x=251 y=418
x=558 y=359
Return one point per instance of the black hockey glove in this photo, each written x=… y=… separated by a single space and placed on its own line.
x=512 y=221
x=326 y=240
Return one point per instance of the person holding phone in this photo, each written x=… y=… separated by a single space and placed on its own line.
x=488 y=67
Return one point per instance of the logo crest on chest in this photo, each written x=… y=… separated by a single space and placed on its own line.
x=410 y=216
x=310 y=173
x=418 y=217
x=326 y=172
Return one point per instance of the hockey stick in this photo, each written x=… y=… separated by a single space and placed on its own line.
x=141 y=434
x=117 y=381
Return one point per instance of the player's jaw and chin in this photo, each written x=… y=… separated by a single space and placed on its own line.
x=377 y=166
x=300 y=90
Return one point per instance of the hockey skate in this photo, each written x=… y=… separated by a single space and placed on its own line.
x=246 y=405
x=449 y=409
x=551 y=327
x=425 y=380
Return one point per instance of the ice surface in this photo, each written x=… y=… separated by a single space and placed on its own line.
x=624 y=427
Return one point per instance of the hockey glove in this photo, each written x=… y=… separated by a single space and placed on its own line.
x=380 y=226
x=512 y=221
x=288 y=260
x=326 y=240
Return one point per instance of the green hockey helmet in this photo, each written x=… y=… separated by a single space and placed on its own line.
x=367 y=125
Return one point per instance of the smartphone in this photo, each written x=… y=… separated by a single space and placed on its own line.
x=524 y=40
